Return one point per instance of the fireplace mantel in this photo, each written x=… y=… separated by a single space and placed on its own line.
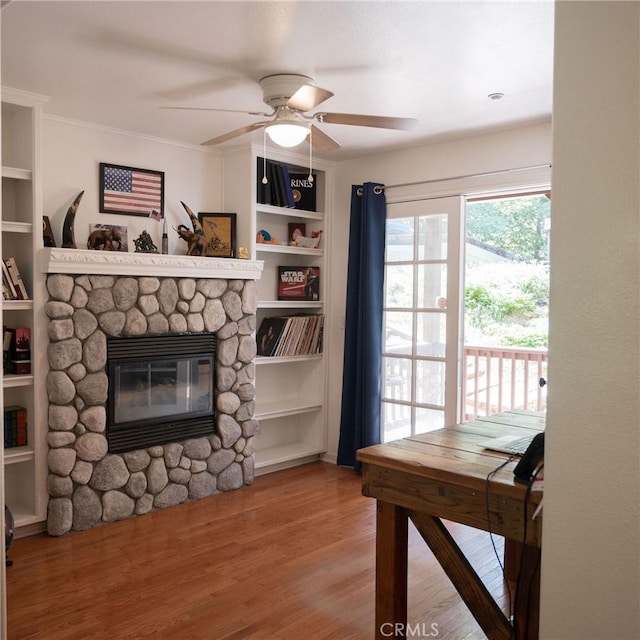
x=82 y=261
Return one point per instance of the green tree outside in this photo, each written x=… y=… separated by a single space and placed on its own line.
x=507 y=279
x=516 y=225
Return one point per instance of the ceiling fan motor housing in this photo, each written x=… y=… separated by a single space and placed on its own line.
x=278 y=89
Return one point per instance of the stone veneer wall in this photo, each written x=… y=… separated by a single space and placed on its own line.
x=86 y=484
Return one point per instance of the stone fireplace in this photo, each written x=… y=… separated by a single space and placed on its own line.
x=89 y=483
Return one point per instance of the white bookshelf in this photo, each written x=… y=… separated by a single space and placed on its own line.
x=290 y=391
x=25 y=468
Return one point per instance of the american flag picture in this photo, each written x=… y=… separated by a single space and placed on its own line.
x=131 y=191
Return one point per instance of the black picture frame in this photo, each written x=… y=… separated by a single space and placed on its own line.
x=220 y=232
x=131 y=191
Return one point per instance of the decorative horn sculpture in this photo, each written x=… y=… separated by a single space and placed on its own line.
x=68 y=240
x=196 y=242
x=197 y=227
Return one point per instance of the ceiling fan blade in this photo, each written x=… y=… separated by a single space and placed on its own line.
x=321 y=141
x=381 y=122
x=251 y=113
x=307 y=97
x=235 y=133
x=193 y=90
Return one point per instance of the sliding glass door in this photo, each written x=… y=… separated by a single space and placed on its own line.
x=422 y=316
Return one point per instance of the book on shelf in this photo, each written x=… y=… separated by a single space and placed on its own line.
x=303 y=190
x=286 y=179
x=281 y=336
x=15 y=426
x=7 y=345
x=276 y=190
x=281 y=185
x=8 y=288
x=14 y=281
x=299 y=283
x=285 y=188
x=269 y=335
x=273 y=184
x=21 y=352
x=6 y=292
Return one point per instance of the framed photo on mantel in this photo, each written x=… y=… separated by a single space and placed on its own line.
x=220 y=232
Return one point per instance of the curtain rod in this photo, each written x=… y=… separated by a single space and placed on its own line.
x=468 y=175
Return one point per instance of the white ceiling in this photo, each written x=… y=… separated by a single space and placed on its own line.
x=115 y=63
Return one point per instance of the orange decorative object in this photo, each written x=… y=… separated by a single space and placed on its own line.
x=264 y=237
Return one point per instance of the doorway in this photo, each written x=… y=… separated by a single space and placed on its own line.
x=465 y=315
x=506 y=303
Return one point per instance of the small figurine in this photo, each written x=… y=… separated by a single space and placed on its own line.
x=104 y=239
x=144 y=243
x=243 y=253
x=196 y=242
x=298 y=240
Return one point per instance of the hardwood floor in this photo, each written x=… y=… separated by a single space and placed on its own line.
x=289 y=558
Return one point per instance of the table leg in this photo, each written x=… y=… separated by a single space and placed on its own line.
x=512 y=550
x=527 y=594
x=463 y=576
x=391 y=571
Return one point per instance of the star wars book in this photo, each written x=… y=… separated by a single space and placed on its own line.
x=299 y=283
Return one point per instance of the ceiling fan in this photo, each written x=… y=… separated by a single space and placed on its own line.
x=290 y=96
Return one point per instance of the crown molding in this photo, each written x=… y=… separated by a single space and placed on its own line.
x=124 y=132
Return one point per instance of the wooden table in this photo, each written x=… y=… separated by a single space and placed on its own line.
x=443 y=474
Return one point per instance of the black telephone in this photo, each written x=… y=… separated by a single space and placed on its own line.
x=530 y=460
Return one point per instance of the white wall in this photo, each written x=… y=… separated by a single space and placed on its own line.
x=591 y=530
x=501 y=150
x=72 y=153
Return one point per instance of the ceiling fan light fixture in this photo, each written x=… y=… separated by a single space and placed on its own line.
x=287 y=134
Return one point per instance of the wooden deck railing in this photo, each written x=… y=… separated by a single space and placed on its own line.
x=499 y=378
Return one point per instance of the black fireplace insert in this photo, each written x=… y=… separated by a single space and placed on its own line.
x=161 y=389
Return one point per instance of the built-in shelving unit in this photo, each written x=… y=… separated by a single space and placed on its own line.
x=291 y=390
x=25 y=489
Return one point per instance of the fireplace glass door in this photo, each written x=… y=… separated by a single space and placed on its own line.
x=161 y=389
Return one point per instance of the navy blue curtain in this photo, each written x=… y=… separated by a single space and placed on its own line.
x=361 y=382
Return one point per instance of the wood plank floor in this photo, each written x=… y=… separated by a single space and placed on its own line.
x=289 y=558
